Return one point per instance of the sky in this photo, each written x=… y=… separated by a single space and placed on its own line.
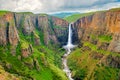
x=56 y=6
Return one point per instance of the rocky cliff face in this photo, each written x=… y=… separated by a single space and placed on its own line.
x=8 y=31
x=44 y=23
x=60 y=32
x=101 y=23
x=37 y=28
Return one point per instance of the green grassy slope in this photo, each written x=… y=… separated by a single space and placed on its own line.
x=115 y=9
x=43 y=64
x=75 y=17
x=87 y=62
x=86 y=66
x=3 y=12
x=25 y=67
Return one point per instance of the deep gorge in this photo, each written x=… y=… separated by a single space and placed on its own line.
x=34 y=42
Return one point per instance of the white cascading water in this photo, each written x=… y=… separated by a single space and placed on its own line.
x=68 y=48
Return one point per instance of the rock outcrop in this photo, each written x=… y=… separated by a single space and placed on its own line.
x=8 y=31
x=26 y=51
x=115 y=43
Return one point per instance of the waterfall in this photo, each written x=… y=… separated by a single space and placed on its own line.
x=68 y=48
x=69 y=35
x=69 y=45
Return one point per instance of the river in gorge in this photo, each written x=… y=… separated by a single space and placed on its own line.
x=68 y=48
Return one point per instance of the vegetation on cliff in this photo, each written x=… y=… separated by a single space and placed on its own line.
x=39 y=65
x=27 y=52
x=87 y=63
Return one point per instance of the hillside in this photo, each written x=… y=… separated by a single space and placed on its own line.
x=63 y=14
x=30 y=46
x=75 y=17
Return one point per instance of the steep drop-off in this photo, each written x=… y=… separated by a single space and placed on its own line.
x=104 y=27
x=97 y=56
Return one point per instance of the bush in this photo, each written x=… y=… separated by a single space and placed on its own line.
x=80 y=74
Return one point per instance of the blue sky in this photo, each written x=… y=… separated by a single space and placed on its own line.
x=55 y=6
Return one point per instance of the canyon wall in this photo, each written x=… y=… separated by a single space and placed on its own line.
x=51 y=27
x=39 y=29
x=101 y=28
x=98 y=54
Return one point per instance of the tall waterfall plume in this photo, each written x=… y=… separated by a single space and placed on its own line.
x=69 y=45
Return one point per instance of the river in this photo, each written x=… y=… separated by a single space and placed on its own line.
x=68 y=48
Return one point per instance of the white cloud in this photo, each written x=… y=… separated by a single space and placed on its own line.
x=28 y=5
x=40 y=6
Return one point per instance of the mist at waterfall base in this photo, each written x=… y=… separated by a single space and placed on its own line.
x=69 y=45
x=68 y=48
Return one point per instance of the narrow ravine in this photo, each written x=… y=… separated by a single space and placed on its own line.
x=66 y=68
x=68 y=48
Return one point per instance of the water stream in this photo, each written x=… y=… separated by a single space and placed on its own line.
x=68 y=48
